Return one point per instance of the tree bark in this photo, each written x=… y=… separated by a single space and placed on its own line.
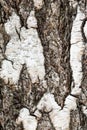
x=43 y=65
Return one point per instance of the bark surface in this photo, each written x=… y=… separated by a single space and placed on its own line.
x=43 y=65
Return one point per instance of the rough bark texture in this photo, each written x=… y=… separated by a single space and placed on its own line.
x=54 y=26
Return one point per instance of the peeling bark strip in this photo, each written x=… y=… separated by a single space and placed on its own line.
x=78 y=37
x=23 y=47
x=77 y=48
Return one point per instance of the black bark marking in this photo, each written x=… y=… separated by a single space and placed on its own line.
x=82 y=30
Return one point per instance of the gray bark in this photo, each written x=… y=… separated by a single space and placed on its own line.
x=55 y=21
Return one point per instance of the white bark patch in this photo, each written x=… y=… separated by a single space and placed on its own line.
x=76 y=52
x=26 y=49
x=38 y=114
x=30 y=19
x=60 y=118
x=85 y=29
x=38 y=3
x=84 y=109
x=10 y=73
x=77 y=48
x=73 y=3
x=29 y=122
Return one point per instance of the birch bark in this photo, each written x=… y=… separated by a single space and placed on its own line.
x=43 y=65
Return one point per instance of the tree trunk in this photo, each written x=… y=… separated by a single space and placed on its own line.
x=43 y=65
